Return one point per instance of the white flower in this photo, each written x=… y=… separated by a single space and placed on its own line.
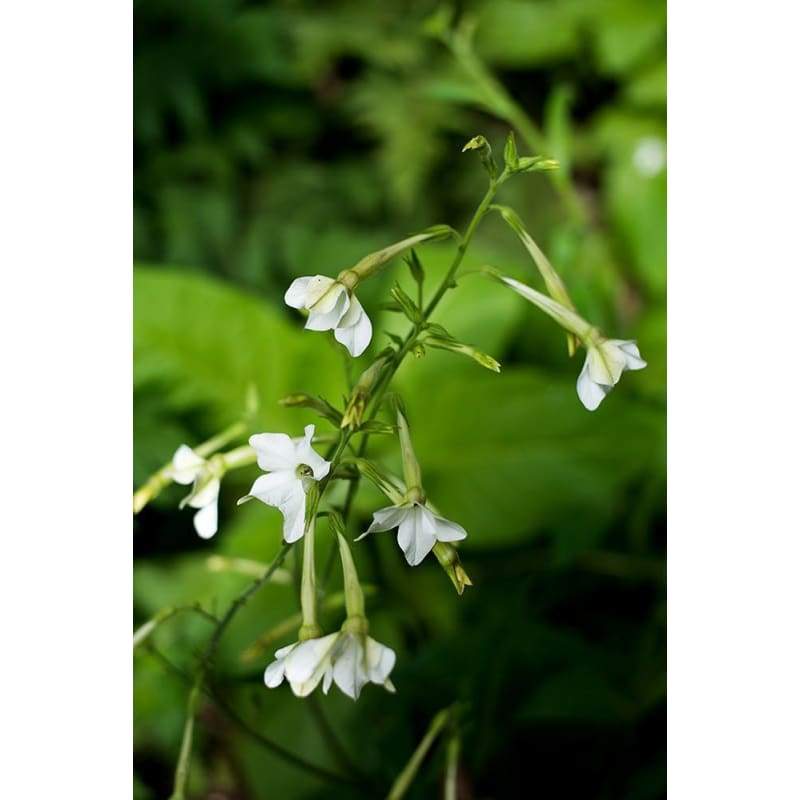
x=419 y=529
x=332 y=306
x=351 y=660
x=303 y=664
x=291 y=463
x=188 y=467
x=606 y=360
x=357 y=660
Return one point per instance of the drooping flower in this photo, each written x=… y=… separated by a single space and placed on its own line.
x=606 y=360
x=310 y=661
x=348 y=659
x=332 y=305
x=418 y=528
x=291 y=464
x=189 y=467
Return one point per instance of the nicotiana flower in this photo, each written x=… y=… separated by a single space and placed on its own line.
x=291 y=464
x=189 y=467
x=418 y=528
x=348 y=659
x=606 y=359
x=333 y=306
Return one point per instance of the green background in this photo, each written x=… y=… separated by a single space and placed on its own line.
x=285 y=139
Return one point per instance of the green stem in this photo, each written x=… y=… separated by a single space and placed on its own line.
x=502 y=104
x=335 y=747
x=144 y=631
x=264 y=741
x=406 y=777
x=451 y=774
x=182 y=767
x=392 y=366
x=463 y=245
x=308 y=587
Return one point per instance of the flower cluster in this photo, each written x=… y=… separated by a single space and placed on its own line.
x=296 y=476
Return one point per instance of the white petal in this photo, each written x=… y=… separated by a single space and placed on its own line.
x=633 y=359
x=309 y=657
x=296 y=293
x=317 y=288
x=447 y=531
x=380 y=661
x=273 y=674
x=207 y=493
x=590 y=393
x=386 y=518
x=284 y=651
x=305 y=454
x=417 y=535
x=354 y=330
x=186 y=465
x=606 y=363
x=205 y=520
x=327 y=679
x=274 y=450
x=276 y=488
x=349 y=668
x=294 y=516
x=325 y=314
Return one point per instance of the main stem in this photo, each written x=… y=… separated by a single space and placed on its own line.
x=411 y=338
x=182 y=768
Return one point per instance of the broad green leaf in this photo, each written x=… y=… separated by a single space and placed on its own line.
x=511 y=456
x=203 y=343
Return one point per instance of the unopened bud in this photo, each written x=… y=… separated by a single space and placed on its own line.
x=484 y=149
x=411 y=470
x=448 y=557
x=360 y=396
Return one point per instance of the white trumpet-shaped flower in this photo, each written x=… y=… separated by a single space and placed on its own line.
x=350 y=660
x=418 y=529
x=332 y=306
x=606 y=360
x=291 y=465
x=189 y=467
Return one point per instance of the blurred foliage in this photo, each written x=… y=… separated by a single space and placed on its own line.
x=289 y=138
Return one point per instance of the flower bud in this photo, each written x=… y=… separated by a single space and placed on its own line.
x=510 y=155
x=537 y=164
x=362 y=391
x=448 y=557
x=484 y=149
x=411 y=470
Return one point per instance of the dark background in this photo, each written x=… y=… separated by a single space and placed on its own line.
x=283 y=139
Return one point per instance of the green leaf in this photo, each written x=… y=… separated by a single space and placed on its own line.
x=410 y=308
x=204 y=343
x=511 y=457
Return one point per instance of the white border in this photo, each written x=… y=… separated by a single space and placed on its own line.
x=733 y=552
x=65 y=328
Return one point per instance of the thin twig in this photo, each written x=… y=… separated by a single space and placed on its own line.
x=245 y=727
x=182 y=767
x=406 y=777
